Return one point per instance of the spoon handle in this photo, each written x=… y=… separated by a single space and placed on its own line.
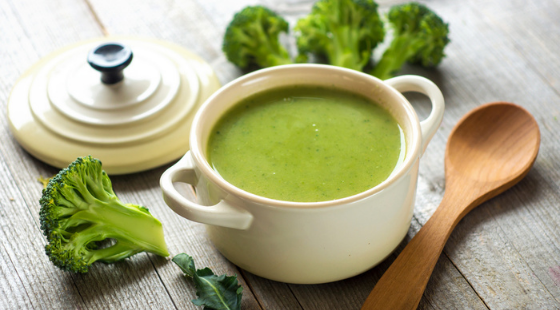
x=402 y=285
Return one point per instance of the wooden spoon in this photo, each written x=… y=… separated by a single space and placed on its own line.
x=489 y=150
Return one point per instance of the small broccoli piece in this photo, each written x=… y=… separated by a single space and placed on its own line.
x=79 y=209
x=420 y=37
x=345 y=32
x=43 y=180
x=252 y=38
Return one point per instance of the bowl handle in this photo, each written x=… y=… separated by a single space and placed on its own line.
x=220 y=214
x=422 y=85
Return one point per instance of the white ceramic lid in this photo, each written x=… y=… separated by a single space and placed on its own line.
x=133 y=111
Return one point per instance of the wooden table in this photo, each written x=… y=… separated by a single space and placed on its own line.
x=503 y=255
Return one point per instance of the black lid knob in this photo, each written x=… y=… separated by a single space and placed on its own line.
x=110 y=59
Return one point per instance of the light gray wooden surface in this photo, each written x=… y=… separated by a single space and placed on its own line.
x=504 y=255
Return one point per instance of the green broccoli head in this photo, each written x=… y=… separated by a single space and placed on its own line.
x=420 y=37
x=79 y=210
x=252 y=38
x=345 y=32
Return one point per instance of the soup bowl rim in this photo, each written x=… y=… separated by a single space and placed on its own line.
x=197 y=144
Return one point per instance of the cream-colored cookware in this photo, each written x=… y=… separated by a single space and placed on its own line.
x=305 y=242
x=127 y=101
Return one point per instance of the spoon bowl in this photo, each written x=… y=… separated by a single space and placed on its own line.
x=490 y=149
x=493 y=142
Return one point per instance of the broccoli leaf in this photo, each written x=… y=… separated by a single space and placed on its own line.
x=186 y=263
x=214 y=292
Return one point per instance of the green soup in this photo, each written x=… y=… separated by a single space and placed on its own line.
x=305 y=144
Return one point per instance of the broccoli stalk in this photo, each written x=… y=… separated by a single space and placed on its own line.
x=79 y=209
x=343 y=31
x=252 y=37
x=420 y=37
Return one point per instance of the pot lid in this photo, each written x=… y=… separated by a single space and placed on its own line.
x=126 y=101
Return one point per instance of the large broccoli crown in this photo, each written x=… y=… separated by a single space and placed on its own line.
x=420 y=37
x=79 y=209
x=252 y=37
x=431 y=31
x=343 y=31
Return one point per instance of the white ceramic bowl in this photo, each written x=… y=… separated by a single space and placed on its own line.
x=313 y=242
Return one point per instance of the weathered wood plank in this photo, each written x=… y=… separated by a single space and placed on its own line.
x=355 y=290
x=181 y=235
x=11 y=284
x=271 y=294
x=497 y=251
x=351 y=293
x=503 y=255
x=32 y=30
x=28 y=278
x=219 y=15
x=182 y=22
x=534 y=34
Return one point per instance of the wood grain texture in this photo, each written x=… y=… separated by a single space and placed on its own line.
x=181 y=235
x=490 y=149
x=487 y=227
x=503 y=255
x=495 y=284
x=28 y=280
x=35 y=30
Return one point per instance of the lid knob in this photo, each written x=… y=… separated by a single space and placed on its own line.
x=110 y=59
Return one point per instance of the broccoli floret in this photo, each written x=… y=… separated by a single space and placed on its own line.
x=345 y=32
x=420 y=37
x=252 y=38
x=79 y=209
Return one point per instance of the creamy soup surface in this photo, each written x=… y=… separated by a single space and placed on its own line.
x=305 y=144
